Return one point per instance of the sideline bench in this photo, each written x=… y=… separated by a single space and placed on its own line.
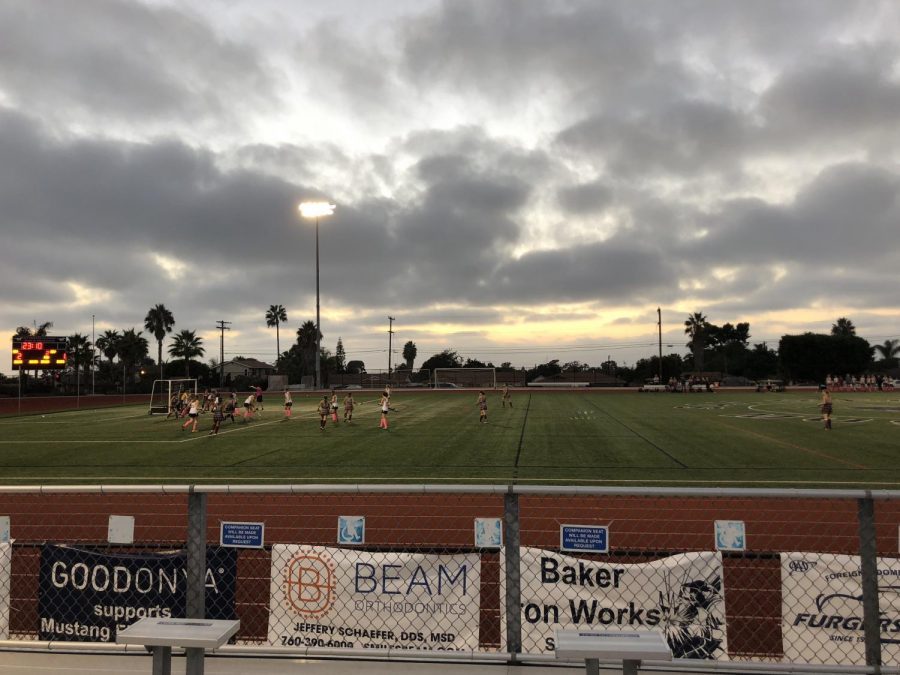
x=628 y=647
x=162 y=634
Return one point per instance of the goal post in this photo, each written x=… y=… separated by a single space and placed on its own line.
x=465 y=378
x=163 y=391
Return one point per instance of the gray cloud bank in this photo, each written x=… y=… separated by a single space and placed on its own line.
x=710 y=151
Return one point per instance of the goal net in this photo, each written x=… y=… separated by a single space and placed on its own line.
x=465 y=378
x=163 y=391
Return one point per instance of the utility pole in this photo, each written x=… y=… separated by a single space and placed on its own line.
x=659 y=325
x=391 y=321
x=222 y=326
x=93 y=356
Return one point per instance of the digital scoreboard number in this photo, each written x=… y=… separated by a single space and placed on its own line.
x=40 y=353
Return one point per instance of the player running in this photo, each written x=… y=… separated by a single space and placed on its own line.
x=249 y=407
x=218 y=418
x=193 y=414
x=334 y=407
x=506 y=396
x=482 y=407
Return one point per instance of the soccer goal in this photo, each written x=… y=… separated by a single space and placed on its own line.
x=465 y=378
x=163 y=391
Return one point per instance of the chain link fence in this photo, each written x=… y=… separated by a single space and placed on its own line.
x=728 y=576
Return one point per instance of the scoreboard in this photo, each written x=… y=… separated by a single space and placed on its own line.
x=39 y=353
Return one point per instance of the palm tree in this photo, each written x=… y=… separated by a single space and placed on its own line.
x=186 y=345
x=276 y=315
x=696 y=326
x=306 y=340
x=107 y=343
x=81 y=353
x=159 y=321
x=889 y=352
x=843 y=327
x=131 y=349
x=409 y=353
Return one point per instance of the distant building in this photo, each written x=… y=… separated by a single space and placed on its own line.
x=251 y=368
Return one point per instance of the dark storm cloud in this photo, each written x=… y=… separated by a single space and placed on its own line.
x=825 y=223
x=102 y=60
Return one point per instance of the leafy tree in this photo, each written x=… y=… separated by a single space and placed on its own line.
x=409 y=354
x=696 y=327
x=354 y=367
x=813 y=356
x=275 y=316
x=186 y=345
x=843 y=327
x=131 y=349
x=159 y=321
x=306 y=342
x=475 y=363
x=107 y=343
x=505 y=367
x=889 y=351
x=80 y=353
x=548 y=369
x=761 y=362
x=340 y=357
x=445 y=359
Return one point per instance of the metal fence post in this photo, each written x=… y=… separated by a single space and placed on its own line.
x=196 y=572
x=868 y=553
x=513 y=575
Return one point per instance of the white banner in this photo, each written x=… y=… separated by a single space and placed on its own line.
x=681 y=595
x=5 y=566
x=333 y=597
x=822 y=609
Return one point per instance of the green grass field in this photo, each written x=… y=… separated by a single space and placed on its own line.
x=548 y=437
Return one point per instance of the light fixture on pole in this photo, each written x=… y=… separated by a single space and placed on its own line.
x=314 y=211
x=93 y=355
x=391 y=321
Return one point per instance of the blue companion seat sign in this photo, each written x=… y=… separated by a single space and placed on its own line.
x=584 y=538
x=241 y=535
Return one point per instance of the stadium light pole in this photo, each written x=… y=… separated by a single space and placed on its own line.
x=314 y=211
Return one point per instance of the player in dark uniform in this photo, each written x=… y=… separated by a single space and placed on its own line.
x=348 y=407
x=506 y=397
x=827 y=407
x=482 y=407
x=218 y=418
x=324 y=409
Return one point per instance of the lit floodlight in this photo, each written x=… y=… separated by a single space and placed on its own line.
x=316 y=209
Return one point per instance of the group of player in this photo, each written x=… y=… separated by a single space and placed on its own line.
x=187 y=405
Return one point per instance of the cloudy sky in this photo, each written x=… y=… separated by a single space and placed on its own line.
x=517 y=180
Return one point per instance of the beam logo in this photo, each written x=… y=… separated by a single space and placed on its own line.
x=308 y=583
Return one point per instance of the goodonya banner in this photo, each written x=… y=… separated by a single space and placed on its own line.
x=86 y=596
x=822 y=609
x=332 y=597
x=680 y=595
x=5 y=565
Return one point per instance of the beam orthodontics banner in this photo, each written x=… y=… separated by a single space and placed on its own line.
x=822 y=608
x=680 y=595
x=86 y=596
x=333 y=597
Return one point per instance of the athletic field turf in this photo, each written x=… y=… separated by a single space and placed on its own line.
x=592 y=438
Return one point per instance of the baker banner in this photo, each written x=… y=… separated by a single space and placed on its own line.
x=85 y=596
x=822 y=608
x=681 y=595
x=333 y=597
x=5 y=565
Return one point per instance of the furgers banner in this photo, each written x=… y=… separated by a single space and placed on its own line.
x=333 y=597
x=680 y=595
x=5 y=566
x=85 y=596
x=822 y=608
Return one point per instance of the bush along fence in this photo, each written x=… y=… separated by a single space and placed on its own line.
x=729 y=576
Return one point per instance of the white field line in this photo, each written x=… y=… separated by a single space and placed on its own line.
x=205 y=433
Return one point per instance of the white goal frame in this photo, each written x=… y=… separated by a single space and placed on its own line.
x=161 y=394
x=465 y=378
